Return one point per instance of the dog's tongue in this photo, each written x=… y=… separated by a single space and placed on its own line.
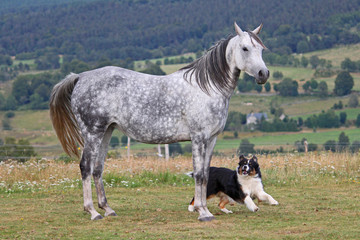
x=244 y=172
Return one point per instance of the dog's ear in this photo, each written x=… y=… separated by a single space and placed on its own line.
x=255 y=158
x=241 y=157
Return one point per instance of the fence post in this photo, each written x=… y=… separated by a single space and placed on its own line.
x=306 y=146
x=167 y=151
x=159 y=151
x=128 y=149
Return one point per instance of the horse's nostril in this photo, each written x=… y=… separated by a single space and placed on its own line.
x=260 y=73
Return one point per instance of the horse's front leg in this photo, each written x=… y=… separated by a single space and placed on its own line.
x=202 y=152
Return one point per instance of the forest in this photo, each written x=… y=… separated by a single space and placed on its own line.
x=142 y=29
x=65 y=36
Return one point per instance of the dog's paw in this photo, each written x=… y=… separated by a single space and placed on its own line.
x=274 y=202
x=191 y=208
x=226 y=211
x=254 y=209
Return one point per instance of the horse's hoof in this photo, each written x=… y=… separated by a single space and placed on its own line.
x=206 y=219
x=113 y=214
x=98 y=217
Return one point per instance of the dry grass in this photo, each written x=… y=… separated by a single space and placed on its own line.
x=40 y=174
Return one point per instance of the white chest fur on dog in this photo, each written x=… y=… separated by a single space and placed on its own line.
x=251 y=185
x=253 y=188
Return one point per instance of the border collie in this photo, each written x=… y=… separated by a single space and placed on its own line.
x=241 y=186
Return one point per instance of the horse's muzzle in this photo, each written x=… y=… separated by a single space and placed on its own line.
x=263 y=76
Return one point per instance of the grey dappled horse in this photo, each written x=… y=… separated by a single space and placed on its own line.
x=190 y=104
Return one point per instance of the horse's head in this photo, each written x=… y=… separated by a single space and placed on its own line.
x=248 y=54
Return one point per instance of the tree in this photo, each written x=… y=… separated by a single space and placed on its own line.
x=124 y=140
x=330 y=145
x=267 y=87
x=355 y=147
x=75 y=66
x=323 y=89
x=313 y=84
x=344 y=82
x=288 y=87
x=258 y=88
x=246 y=147
x=306 y=86
x=153 y=69
x=278 y=75
x=314 y=61
x=353 y=101
x=10 y=103
x=175 y=148
x=2 y=102
x=349 y=65
x=21 y=150
x=357 y=122
x=302 y=47
x=304 y=61
x=343 y=118
x=114 y=142
x=343 y=143
x=300 y=121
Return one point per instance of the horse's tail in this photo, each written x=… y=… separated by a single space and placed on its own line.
x=62 y=116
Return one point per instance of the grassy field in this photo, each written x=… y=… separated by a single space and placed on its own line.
x=36 y=127
x=337 y=54
x=318 y=196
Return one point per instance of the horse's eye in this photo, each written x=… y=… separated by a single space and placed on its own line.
x=245 y=49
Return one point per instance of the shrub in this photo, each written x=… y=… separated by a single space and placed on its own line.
x=20 y=150
x=278 y=75
x=330 y=145
x=288 y=87
x=246 y=147
x=343 y=143
x=357 y=122
x=344 y=82
x=353 y=101
x=175 y=149
x=355 y=147
x=65 y=158
x=114 y=142
x=9 y=114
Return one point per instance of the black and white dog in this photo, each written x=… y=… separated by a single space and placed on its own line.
x=241 y=186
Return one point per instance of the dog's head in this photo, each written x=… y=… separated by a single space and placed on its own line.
x=248 y=167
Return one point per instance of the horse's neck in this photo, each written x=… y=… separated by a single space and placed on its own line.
x=230 y=56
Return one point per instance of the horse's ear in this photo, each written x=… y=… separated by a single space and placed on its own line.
x=238 y=30
x=258 y=29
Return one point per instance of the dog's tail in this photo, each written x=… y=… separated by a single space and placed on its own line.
x=190 y=174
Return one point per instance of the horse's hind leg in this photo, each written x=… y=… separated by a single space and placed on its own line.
x=97 y=174
x=88 y=158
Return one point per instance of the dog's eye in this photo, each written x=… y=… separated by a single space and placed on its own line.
x=245 y=49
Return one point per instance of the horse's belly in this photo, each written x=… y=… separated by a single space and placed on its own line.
x=155 y=130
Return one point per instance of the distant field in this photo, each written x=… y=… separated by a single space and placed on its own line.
x=337 y=54
x=139 y=65
x=351 y=113
x=273 y=140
